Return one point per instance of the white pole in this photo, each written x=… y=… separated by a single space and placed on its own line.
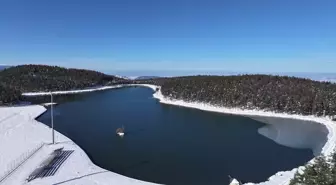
x=52 y=119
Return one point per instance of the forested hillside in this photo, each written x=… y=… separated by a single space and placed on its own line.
x=3 y=67
x=33 y=78
x=9 y=95
x=272 y=93
x=146 y=77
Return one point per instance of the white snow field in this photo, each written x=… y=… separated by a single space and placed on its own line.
x=78 y=169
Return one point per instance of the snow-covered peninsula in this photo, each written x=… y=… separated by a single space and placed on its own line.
x=79 y=169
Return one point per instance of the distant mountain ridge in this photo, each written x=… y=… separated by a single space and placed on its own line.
x=122 y=77
x=331 y=77
x=146 y=77
x=2 y=67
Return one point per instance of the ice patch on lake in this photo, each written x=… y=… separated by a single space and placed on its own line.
x=294 y=133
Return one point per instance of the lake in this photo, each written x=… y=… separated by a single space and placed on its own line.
x=168 y=144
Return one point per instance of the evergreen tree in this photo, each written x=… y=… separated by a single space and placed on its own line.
x=332 y=162
x=321 y=172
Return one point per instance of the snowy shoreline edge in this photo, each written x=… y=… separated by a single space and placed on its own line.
x=280 y=178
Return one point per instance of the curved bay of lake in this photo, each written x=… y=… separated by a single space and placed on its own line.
x=169 y=144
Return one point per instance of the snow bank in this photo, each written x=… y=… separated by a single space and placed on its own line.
x=86 y=90
x=72 y=91
x=280 y=123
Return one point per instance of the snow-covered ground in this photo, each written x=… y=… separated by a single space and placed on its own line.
x=19 y=129
x=73 y=91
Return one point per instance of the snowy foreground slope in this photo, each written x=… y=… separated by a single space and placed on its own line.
x=78 y=169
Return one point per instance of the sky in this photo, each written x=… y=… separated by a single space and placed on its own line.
x=133 y=36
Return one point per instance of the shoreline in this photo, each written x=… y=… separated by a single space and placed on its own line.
x=281 y=177
x=72 y=91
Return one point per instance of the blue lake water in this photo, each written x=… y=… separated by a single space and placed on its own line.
x=169 y=144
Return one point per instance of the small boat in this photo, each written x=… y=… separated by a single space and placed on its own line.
x=120 y=131
x=234 y=181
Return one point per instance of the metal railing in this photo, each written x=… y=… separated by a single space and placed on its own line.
x=14 y=165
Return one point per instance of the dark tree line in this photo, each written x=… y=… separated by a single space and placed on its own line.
x=34 y=78
x=9 y=95
x=271 y=93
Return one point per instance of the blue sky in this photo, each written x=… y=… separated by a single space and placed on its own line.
x=171 y=35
